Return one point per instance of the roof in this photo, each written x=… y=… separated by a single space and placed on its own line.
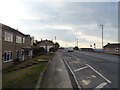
x=112 y=45
x=44 y=41
x=26 y=48
x=13 y=30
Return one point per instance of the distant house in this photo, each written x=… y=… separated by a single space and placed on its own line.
x=112 y=48
x=14 y=44
x=98 y=50
x=46 y=44
x=87 y=49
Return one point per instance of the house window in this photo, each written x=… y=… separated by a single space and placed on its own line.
x=8 y=37
x=18 y=54
x=18 y=39
x=23 y=40
x=8 y=56
x=30 y=53
x=117 y=49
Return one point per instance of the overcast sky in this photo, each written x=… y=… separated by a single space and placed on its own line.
x=65 y=20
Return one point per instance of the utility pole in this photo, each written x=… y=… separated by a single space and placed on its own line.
x=102 y=35
x=77 y=42
x=55 y=38
x=94 y=46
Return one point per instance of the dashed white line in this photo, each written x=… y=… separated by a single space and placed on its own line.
x=98 y=73
x=100 y=85
x=80 y=68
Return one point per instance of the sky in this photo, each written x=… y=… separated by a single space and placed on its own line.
x=68 y=21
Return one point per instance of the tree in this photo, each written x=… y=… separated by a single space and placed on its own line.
x=57 y=45
x=76 y=48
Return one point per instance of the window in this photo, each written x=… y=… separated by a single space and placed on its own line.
x=23 y=40
x=18 y=54
x=8 y=37
x=30 y=53
x=18 y=39
x=8 y=56
x=117 y=49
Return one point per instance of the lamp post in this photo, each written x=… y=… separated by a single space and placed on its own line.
x=77 y=42
x=102 y=35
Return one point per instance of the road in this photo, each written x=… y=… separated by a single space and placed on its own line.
x=92 y=70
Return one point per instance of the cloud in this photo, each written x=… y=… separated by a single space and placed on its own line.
x=65 y=20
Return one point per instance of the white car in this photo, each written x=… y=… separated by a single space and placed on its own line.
x=70 y=49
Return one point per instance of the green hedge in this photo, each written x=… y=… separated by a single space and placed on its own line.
x=38 y=51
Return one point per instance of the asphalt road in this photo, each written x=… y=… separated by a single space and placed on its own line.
x=92 y=70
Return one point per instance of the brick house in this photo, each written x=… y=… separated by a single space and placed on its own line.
x=46 y=44
x=14 y=44
x=113 y=48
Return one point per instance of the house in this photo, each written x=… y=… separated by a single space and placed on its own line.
x=113 y=48
x=46 y=44
x=14 y=45
x=0 y=46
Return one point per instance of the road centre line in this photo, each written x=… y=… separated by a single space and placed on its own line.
x=100 y=85
x=73 y=74
x=81 y=68
x=99 y=73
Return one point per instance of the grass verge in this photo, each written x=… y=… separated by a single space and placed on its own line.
x=26 y=77
x=23 y=78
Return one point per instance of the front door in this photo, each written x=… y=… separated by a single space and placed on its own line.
x=23 y=56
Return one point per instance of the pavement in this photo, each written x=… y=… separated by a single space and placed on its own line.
x=56 y=75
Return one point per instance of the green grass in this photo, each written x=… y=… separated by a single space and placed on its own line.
x=23 y=78
x=27 y=77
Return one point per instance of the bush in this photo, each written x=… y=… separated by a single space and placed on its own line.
x=52 y=49
x=76 y=48
x=16 y=61
x=38 y=51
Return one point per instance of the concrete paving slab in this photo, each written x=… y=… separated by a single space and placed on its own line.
x=56 y=75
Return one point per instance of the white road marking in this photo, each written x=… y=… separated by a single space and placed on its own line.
x=73 y=74
x=80 y=68
x=86 y=82
x=93 y=76
x=101 y=85
x=99 y=73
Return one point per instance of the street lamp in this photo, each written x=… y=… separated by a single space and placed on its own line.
x=77 y=42
x=102 y=35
